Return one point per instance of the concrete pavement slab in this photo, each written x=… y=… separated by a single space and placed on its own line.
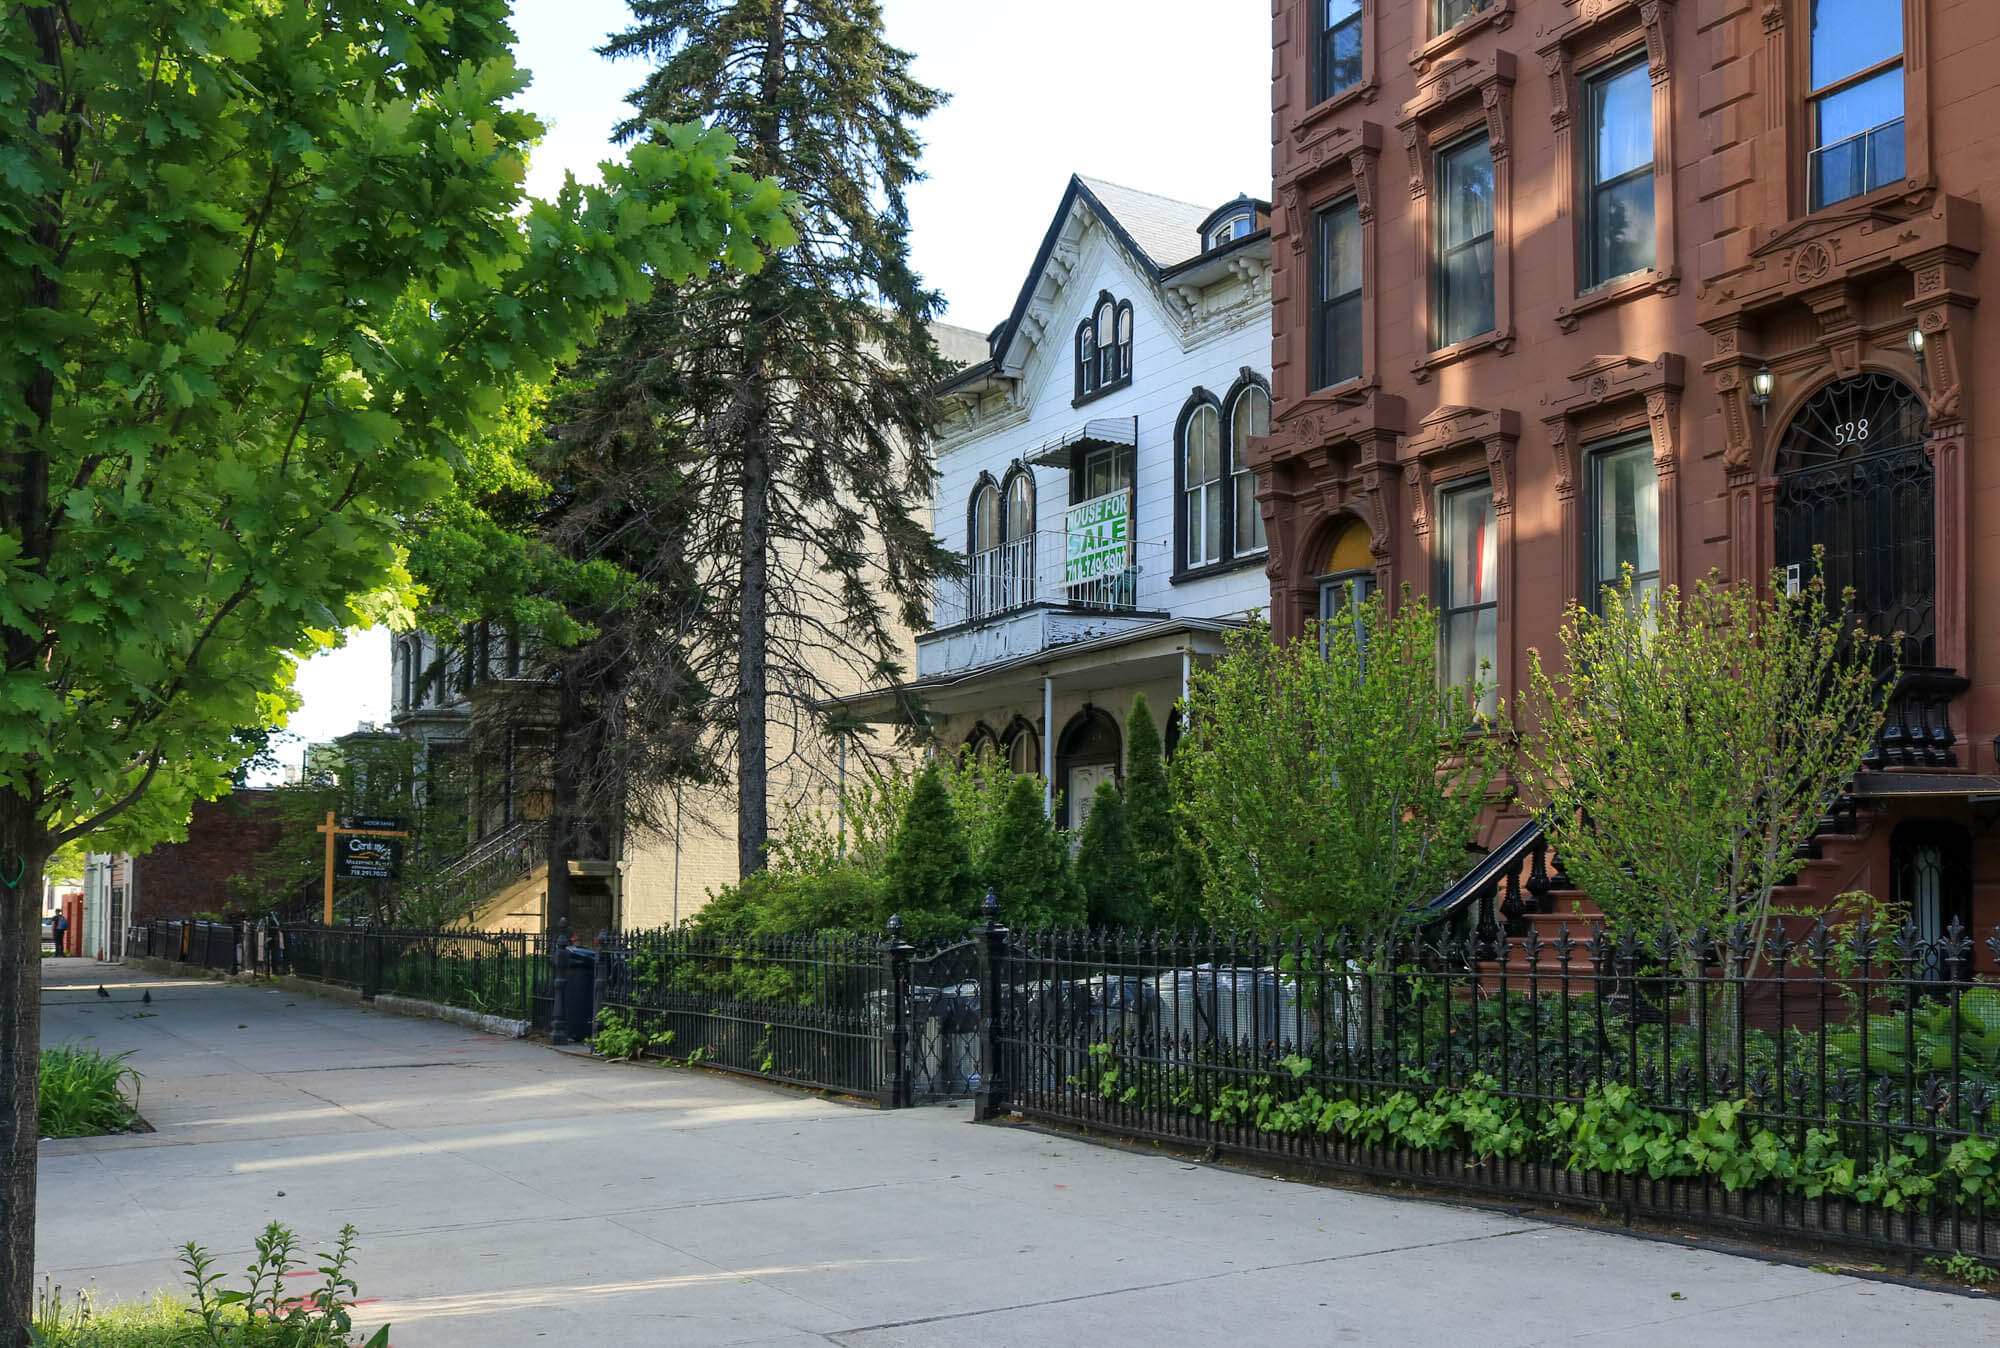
x=507 y=1194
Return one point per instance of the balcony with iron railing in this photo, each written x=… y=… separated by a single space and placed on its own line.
x=1031 y=593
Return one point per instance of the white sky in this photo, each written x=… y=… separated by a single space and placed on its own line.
x=1169 y=96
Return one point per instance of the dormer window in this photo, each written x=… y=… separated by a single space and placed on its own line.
x=1232 y=221
x=1104 y=347
x=1235 y=227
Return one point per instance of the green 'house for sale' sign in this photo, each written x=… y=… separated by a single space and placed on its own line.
x=1098 y=532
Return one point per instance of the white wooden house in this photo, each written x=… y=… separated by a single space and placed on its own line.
x=1091 y=473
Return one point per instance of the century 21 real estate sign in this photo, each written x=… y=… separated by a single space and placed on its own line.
x=1099 y=538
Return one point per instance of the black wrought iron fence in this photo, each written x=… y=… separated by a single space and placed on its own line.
x=1840 y=1087
x=490 y=972
x=811 y=1010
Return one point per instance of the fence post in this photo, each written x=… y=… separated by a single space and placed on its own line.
x=991 y=1098
x=600 y=983
x=895 y=1093
x=558 y=966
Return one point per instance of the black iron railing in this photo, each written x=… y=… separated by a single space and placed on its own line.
x=490 y=972
x=1844 y=1089
x=811 y=1010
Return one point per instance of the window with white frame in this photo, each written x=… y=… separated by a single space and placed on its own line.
x=1463 y=287
x=1618 y=232
x=1624 y=520
x=1201 y=485
x=1338 y=66
x=1469 y=585
x=1249 y=415
x=1855 y=107
x=985 y=516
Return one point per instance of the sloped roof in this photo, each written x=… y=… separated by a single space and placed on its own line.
x=1167 y=231
x=1160 y=232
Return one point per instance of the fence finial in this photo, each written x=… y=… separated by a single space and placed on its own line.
x=989 y=907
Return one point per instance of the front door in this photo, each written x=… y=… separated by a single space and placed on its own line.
x=1083 y=782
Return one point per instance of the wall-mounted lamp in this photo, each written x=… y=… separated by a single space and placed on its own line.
x=1761 y=384
x=1917 y=350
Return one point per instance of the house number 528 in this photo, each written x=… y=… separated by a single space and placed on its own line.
x=1851 y=432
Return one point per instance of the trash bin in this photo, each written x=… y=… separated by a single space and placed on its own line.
x=579 y=991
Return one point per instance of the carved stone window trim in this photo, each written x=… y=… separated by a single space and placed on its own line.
x=1601 y=32
x=1347 y=168
x=1455 y=99
x=1451 y=446
x=1615 y=396
x=1304 y=23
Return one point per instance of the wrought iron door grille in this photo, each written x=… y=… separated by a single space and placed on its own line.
x=1853 y=477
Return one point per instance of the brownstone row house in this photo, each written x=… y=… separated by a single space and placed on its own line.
x=1561 y=286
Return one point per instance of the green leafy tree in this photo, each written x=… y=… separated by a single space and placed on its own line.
x=1157 y=850
x=1027 y=864
x=803 y=389
x=1694 y=742
x=1107 y=871
x=265 y=271
x=927 y=879
x=1335 y=789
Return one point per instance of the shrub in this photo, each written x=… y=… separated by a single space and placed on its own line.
x=778 y=903
x=1105 y=866
x=1027 y=865
x=83 y=1092
x=1158 y=856
x=927 y=879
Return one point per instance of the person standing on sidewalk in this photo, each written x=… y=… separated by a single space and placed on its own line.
x=61 y=931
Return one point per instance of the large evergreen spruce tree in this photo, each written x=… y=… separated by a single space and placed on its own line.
x=1027 y=866
x=806 y=390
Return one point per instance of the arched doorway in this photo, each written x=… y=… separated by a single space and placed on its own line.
x=1087 y=755
x=1347 y=578
x=1853 y=478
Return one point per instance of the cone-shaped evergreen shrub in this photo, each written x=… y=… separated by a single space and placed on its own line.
x=927 y=880
x=1028 y=864
x=1104 y=864
x=1164 y=874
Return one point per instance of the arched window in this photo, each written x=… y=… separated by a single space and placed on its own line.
x=1201 y=485
x=1024 y=748
x=1347 y=579
x=1018 y=516
x=1853 y=478
x=1104 y=347
x=980 y=742
x=984 y=520
x=1249 y=415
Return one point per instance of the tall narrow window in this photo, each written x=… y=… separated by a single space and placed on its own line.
x=1201 y=484
x=1019 y=519
x=1086 y=358
x=1339 y=48
x=1337 y=297
x=1107 y=344
x=1249 y=416
x=1451 y=13
x=1470 y=584
x=1624 y=521
x=1856 y=103
x=1618 y=204
x=986 y=517
x=1464 y=270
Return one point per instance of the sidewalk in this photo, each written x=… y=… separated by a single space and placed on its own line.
x=507 y=1194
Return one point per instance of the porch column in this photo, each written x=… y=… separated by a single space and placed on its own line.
x=1048 y=746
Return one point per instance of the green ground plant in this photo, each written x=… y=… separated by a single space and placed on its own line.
x=85 y=1092
x=266 y=1313
x=619 y=1037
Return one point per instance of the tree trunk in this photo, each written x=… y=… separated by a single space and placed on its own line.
x=752 y=701
x=20 y=1057
x=753 y=826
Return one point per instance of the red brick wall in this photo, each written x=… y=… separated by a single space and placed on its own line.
x=225 y=837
